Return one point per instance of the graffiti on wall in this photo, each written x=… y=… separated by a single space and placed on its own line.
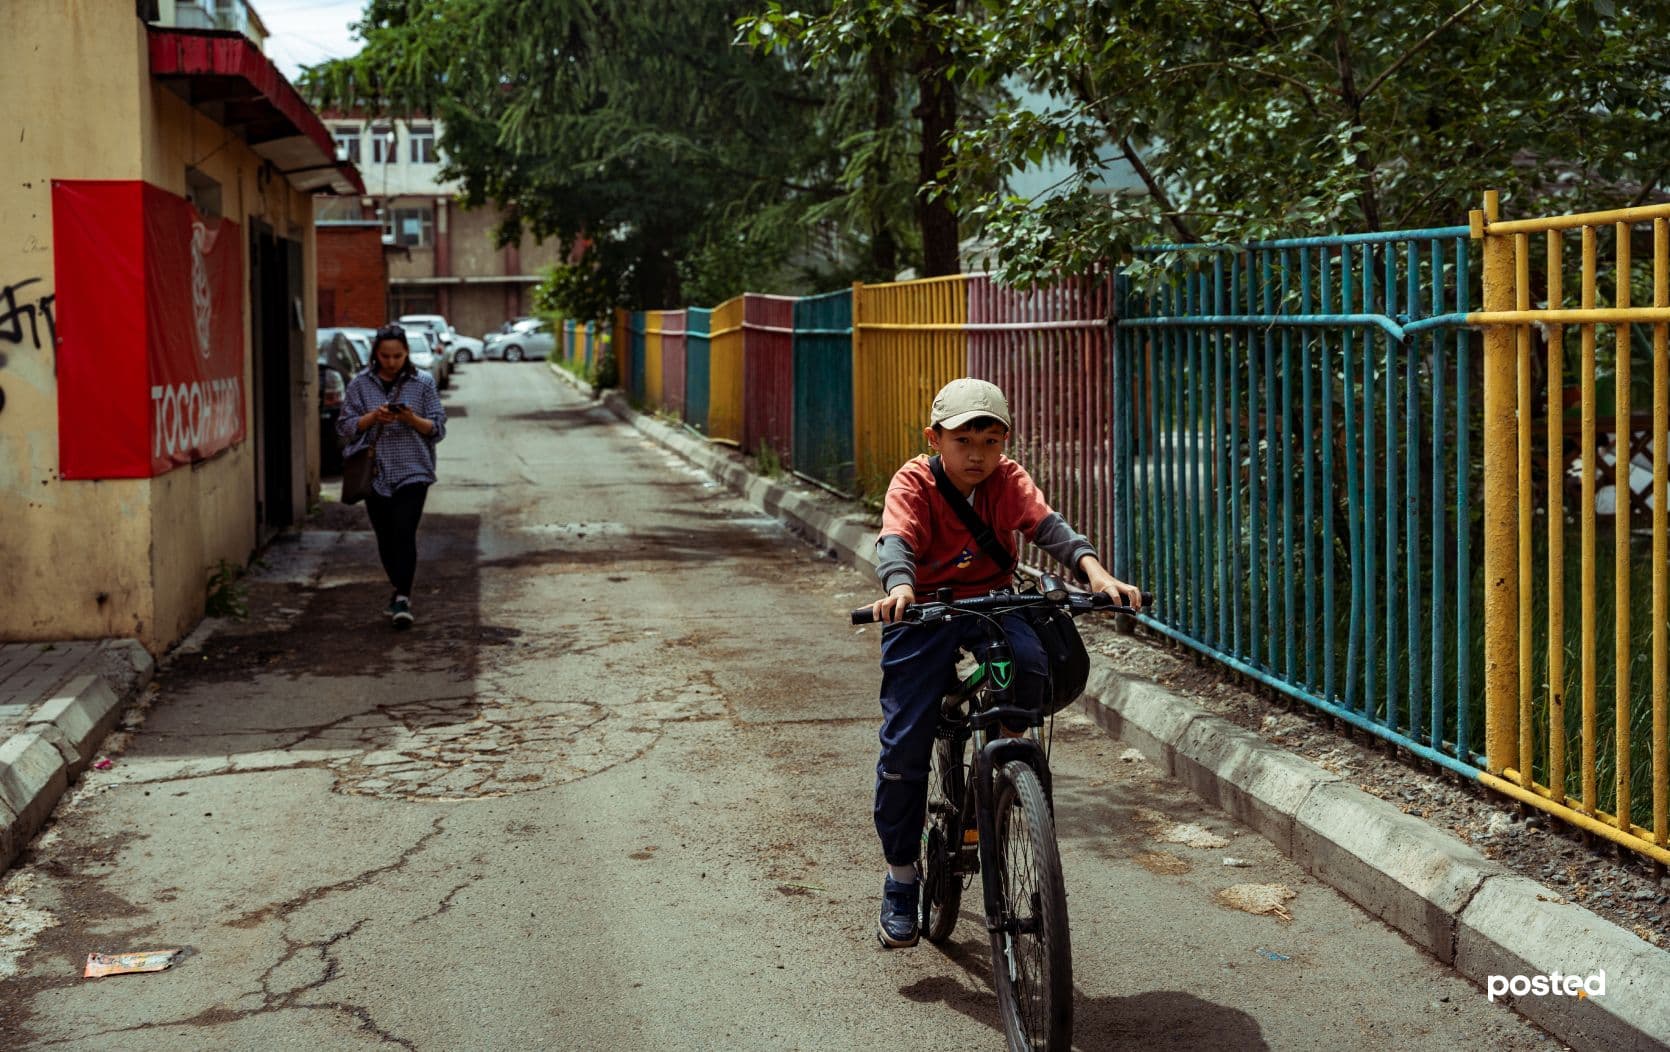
x=25 y=316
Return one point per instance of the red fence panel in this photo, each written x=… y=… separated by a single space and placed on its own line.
x=768 y=374
x=672 y=361
x=1051 y=351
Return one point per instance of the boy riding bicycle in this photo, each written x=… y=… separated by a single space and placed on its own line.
x=924 y=544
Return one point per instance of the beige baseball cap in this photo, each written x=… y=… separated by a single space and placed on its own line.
x=963 y=400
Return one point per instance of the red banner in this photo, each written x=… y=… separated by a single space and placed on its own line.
x=150 y=330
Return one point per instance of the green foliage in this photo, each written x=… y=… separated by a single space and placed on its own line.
x=576 y=290
x=655 y=150
x=1296 y=116
x=768 y=463
x=228 y=596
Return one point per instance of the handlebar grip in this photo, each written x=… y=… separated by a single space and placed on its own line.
x=863 y=616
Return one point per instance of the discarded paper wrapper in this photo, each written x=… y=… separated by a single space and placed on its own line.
x=101 y=964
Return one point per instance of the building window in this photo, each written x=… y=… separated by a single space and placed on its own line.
x=411 y=227
x=347 y=142
x=382 y=144
x=422 y=138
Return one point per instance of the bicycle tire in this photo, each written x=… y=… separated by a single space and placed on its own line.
x=1032 y=957
x=942 y=886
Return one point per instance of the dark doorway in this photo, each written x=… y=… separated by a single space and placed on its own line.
x=275 y=285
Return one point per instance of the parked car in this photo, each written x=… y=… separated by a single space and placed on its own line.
x=338 y=363
x=529 y=339
x=421 y=348
x=465 y=348
x=458 y=347
x=358 y=336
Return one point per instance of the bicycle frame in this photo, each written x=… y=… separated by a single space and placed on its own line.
x=983 y=685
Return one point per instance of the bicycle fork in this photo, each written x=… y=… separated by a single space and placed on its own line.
x=980 y=795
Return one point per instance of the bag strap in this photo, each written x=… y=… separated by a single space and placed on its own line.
x=983 y=535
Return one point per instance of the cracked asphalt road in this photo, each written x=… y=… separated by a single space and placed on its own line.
x=613 y=791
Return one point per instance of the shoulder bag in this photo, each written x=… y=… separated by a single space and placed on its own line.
x=359 y=469
x=1069 y=661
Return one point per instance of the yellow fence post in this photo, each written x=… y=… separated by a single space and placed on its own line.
x=1501 y=496
x=860 y=447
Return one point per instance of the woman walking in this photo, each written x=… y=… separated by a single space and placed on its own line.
x=396 y=406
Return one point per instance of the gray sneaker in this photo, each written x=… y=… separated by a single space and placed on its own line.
x=402 y=613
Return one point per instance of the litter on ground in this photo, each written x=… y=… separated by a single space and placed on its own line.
x=1267 y=899
x=102 y=964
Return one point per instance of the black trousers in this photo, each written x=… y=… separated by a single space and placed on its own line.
x=395 y=519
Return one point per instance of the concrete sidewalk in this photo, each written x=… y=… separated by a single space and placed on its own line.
x=57 y=702
x=1466 y=910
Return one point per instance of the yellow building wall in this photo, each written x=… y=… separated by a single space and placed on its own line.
x=128 y=557
x=76 y=554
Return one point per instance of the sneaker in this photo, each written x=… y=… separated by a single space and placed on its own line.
x=402 y=614
x=388 y=611
x=896 y=927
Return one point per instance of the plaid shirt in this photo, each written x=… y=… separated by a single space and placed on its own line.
x=404 y=456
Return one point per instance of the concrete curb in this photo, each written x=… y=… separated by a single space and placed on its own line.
x=1467 y=911
x=59 y=740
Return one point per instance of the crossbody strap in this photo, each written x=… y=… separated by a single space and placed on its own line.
x=983 y=535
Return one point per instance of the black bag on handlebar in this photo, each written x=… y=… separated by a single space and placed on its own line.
x=1069 y=661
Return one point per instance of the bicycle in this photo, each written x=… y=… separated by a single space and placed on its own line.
x=1005 y=803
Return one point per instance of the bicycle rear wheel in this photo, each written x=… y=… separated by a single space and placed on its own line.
x=942 y=885
x=1032 y=958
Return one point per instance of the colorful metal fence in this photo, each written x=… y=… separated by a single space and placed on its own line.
x=768 y=375
x=1051 y=351
x=654 y=382
x=725 y=379
x=909 y=339
x=636 y=327
x=673 y=337
x=1289 y=441
x=698 y=357
x=1295 y=475
x=1534 y=658
x=822 y=389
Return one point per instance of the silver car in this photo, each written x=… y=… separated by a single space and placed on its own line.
x=358 y=337
x=421 y=350
x=527 y=340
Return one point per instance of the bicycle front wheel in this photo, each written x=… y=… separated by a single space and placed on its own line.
x=1032 y=958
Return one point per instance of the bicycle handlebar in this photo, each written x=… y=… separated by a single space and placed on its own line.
x=1075 y=603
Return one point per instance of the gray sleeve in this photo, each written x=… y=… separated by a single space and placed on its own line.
x=895 y=562
x=1062 y=543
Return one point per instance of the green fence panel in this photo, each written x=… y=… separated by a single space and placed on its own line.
x=823 y=420
x=697 y=324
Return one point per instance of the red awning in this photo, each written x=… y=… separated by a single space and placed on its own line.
x=226 y=78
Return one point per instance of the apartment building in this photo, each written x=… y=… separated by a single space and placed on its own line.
x=443 y=259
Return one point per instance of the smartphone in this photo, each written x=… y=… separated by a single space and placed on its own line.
x=396 y=407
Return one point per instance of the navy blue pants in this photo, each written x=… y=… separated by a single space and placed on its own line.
x=918 y=668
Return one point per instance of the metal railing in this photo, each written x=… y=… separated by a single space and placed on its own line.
x=698 y=353
x=1317 y=452
x=909 y=339
x=1051 y=351
x=1296 y=472
x=1534 y=663
x=822 y=364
